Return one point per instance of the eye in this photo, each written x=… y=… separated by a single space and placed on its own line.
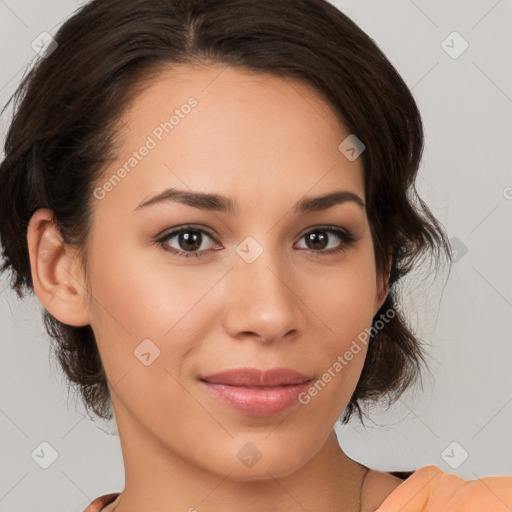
x=318 y=239
x=191 y=241
x=188 y=239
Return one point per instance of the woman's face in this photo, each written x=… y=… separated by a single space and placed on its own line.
x=258 y=288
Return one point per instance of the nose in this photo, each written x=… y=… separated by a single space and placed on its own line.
x=260 y=300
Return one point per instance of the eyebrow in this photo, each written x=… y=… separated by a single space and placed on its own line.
x=216 y=202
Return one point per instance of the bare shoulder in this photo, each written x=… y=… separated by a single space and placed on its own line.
x=378 y=485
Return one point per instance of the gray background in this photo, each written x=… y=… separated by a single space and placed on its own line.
x=465 y=410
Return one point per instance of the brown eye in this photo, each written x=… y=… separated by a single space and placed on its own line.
x=318 y=239
x=188 y=240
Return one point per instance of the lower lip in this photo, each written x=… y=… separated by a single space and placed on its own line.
x=258 y=401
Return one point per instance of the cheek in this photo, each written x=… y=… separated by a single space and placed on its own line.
x=343 y=295
x=143 y=312
x=132 y=294
x=342 y=299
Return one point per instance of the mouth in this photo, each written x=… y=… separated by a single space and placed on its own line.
x=257 y=392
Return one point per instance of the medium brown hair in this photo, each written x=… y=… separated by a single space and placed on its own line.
x=67 y=112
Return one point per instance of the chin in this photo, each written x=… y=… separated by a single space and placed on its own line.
x=261 y=460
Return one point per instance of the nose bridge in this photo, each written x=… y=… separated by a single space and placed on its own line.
x=262 y=301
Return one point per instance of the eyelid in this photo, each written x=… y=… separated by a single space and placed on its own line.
x=177 y=229
x=326 y=227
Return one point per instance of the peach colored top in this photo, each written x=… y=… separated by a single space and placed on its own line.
x=426 y=490
x=431 y=490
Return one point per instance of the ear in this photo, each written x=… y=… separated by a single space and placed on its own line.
x=56 y=277
x=382 y=286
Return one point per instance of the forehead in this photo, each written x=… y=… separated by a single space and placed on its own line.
x=250 y=135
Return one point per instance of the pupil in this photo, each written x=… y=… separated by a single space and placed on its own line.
x=315 y=238
x=190 y=239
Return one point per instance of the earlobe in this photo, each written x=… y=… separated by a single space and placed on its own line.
x=52 y=265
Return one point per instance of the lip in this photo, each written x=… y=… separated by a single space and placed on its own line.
x=257 y=392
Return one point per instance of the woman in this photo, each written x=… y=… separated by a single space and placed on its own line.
x=218 y=197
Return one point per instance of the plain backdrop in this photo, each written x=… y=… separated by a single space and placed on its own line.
x=461 y=421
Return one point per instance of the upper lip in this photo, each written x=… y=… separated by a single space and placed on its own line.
x=257 y=378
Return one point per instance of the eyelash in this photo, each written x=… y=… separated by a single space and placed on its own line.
x=346 y=236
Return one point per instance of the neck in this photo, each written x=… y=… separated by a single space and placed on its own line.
x=156 y=479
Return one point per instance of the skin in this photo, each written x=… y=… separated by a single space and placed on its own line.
x=265 y=142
